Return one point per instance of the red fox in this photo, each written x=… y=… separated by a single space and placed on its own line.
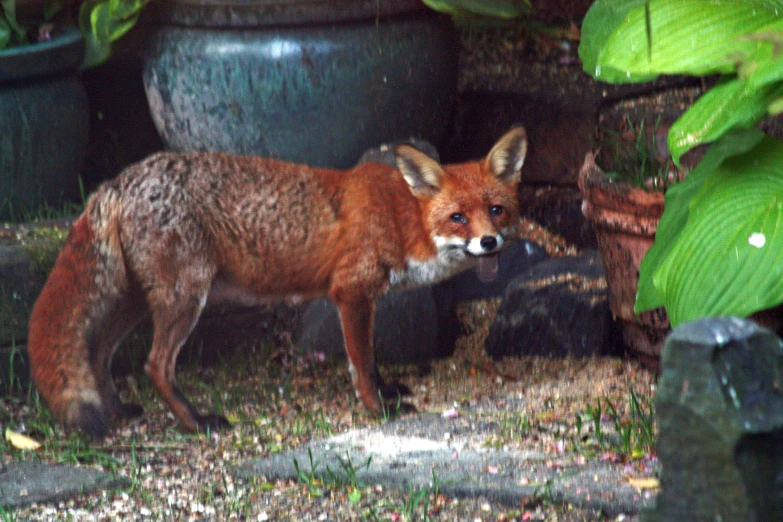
x=177 y=232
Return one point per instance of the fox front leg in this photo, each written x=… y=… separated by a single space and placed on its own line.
x=356 y=318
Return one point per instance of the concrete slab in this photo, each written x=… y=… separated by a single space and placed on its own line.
x=27 y=482
x=409 y=452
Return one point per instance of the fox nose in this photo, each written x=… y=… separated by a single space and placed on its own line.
x=489 y=243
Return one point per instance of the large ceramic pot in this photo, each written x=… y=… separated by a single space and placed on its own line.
x=44 y=122
x=625 y=219
x=312 y=81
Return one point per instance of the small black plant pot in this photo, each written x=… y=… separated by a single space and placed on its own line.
x=44 y=123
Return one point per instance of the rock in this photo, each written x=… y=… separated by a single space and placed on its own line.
x=559 y=210
x=385 y=153
x=559 y=307
x=406 y=328
x=27 y=254
x=27 y=482
x=223 y=330
x=411 y=452
x=720 y=417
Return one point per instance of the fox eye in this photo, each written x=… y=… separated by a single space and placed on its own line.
x=459 y=218
x=495 y=210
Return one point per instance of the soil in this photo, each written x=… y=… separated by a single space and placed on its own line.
x=279 y=399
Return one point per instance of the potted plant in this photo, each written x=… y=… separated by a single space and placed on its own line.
x=719 y=242
x=43 y=105
x=623 y=185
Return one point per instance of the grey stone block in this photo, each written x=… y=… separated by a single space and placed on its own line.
x=559 y=307
x=23 y=483
x=405 y=330
x=720 y=416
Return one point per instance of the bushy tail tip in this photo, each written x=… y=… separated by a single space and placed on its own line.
x=89 y=418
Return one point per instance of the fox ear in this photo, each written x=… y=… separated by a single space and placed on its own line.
x=507 y=156
x=423 y=174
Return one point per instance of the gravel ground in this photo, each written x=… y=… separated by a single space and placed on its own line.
x=279 y=399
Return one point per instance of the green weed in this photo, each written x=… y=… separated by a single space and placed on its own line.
x=309 y=478
x=7 y=515
x=635 y=159
x=634 y=432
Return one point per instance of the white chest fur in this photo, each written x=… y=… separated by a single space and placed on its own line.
x=417 y=273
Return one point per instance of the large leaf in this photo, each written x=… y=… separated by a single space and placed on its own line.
x=727 y=258
x=11 y=32
x=100 y=21
x=506 y=9
x=676 y=210
x=104 y=21
x=731 y=104
x=5 y=33
x=769 y=69
x=695 y=37
x=600 y=22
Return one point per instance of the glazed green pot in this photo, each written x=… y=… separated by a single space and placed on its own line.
x=44 y=122
x=316 y=82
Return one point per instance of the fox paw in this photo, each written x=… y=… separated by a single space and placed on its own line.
x=129 y=411
x=391 y=396
x=394 y=409
x=394 y=390
x=212 y=422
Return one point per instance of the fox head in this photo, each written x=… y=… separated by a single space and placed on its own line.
x=471 y=209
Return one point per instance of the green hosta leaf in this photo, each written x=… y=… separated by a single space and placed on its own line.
x=11 y=31
x=776 y=107
x=120 y=27
x=768 y=68
x=104 y=21
x=5 y=34
x=100 y=21
x=600 y=22
x=731 y=104
x=125 y=9
x=676 y=207
x=696 y=37
x=506 y=9
x=727 y=258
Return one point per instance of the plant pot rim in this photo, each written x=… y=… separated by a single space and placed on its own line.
x=64 y=52
x=597 y=187
x=267 y=13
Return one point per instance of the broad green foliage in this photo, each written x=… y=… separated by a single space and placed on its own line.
x=482 y=10
x=104 y=21
x=626 y=41
x=676 y=209
x=100 y=21
x=11 y=33
x=719 y=245
x=728 y=257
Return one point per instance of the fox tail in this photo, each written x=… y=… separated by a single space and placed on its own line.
x=73 y=327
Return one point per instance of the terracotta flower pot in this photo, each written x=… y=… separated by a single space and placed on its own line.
x=625 y=219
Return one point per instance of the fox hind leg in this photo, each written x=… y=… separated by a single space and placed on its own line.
x=118 y=324
x=174 y=315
